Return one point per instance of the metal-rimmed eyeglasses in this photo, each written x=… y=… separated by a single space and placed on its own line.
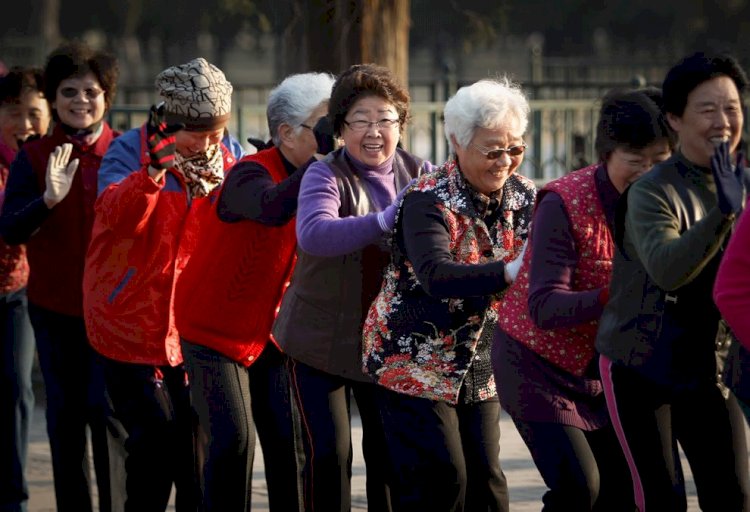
x=494 y=154
x=90 y=93
x=361 y=125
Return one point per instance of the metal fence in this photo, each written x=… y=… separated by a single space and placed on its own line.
x=560 y=135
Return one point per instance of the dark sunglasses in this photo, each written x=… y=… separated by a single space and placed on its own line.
x=72 y=92
x=494 y=154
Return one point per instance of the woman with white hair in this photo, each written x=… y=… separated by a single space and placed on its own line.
x=427 y=336
x=225 y=304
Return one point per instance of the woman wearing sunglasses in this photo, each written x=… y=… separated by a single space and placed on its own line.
x=427 y=334
x=49 y=205
x=543 y=352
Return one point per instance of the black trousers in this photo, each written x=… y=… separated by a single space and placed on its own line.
x=76 y=400
x=277 y=424
x=710 y=429
x=154 y=433
x=16 y=398
x=325 y=413
x=583 y=470
x=231 y=401
x=445 y=457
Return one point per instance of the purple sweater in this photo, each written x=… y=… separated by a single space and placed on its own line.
x=320 y=230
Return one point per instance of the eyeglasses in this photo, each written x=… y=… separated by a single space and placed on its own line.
x=494 y=154
x=361 y=126
x=72 y=92
x=303 y=125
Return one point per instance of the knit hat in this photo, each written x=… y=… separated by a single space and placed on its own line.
x=196 y=94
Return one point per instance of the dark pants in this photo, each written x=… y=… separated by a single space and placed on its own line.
x=153 y=433
x=16 y=399
x=277 y=423
x=445 y=457
x=710 y=429
x=76 y=399
x=231 y=401
x=584 y=470
x=324 y=405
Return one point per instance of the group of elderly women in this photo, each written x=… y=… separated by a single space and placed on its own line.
x=425 y=293
x=285 y=282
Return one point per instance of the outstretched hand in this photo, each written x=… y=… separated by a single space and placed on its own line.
x=730 y=190
x=60 y=173
x=513 y=266
x=387 y=218
x=161 y=138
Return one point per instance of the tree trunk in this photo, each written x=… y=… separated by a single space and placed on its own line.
x=345 y=32
x=385 y=35
x=49 y=27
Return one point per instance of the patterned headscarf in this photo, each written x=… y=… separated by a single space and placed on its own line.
x=196 y=94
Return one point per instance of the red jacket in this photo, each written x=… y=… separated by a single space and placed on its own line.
x=229 y=294
x=732 y=287
x=143 y=236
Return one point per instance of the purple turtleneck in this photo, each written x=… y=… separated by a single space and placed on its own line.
x=320 y=230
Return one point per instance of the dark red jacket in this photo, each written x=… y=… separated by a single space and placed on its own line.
x=56 y=239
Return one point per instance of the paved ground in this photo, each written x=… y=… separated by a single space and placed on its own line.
x=526 y=487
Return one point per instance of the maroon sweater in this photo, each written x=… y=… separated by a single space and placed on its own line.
x=56 y=239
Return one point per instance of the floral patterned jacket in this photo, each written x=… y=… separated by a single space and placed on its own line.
x=421 y=345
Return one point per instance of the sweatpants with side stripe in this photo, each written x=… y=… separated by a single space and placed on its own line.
x=649 y=419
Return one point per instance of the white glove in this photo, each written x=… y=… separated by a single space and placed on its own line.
x=512 y=267
x=60 y=174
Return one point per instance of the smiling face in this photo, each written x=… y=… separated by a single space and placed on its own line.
x=713 y=114
x=190 y=143
x=624 y=166
x=20 y=120
x=485 y=175
x=80 y=101
x=374 y=145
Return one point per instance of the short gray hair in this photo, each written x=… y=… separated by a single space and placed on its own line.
x=488 y=103
x=295 y=98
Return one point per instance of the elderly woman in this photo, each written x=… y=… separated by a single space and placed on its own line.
x=347 y=205
x=545 y=364
x=224 y=312
x=154 y=184
x=49 y=206
x=660 y=332
x=427 y=334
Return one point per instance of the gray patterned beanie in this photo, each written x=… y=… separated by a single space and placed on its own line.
x=196 y=94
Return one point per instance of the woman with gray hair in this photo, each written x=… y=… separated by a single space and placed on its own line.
x=226 y=300
x=427 y=335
